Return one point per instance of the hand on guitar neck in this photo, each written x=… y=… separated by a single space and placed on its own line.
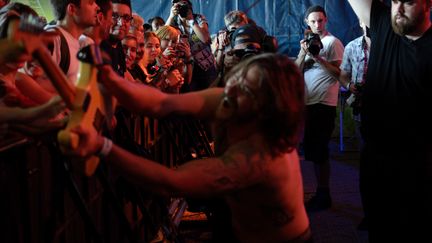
x=29 y=33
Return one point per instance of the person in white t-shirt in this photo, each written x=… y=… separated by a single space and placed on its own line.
x=319 y=58
x=72 y=19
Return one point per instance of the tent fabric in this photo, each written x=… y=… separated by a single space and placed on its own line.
x=283 y=19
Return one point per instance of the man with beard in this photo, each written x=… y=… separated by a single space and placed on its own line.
x=121 y=17
x=396 y=162
x=257 y=121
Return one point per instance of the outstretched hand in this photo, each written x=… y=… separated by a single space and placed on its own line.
x=90 y=142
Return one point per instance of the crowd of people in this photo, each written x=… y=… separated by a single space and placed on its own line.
x=259 y=106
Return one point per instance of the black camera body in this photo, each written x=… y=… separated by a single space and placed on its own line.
x=313 y=42
x=183 y=7
x=249 y=51
x=228 y=33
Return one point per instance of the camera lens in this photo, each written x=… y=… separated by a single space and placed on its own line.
x=239 y=53
x=314 y=49
x=313 y=42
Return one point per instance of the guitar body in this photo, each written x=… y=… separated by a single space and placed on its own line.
x=87 y=103
x=91 y=108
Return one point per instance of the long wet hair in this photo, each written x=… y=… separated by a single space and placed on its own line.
x=282 y=112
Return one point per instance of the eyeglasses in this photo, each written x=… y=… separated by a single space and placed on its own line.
x=126 y=17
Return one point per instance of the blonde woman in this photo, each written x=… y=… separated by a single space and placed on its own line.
x=175 y=47
x=159 y=72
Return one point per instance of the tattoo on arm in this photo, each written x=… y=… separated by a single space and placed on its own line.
x=244 y=161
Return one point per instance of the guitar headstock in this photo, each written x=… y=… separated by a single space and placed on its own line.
x=29 y=30
x=31 y=24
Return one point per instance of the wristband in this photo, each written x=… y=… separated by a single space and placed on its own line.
x=190 y=61
x=348 y=86
x=106 y=148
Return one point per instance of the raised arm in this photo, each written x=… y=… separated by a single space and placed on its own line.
x=201 y=30
x=147 y=100
x=362 y=8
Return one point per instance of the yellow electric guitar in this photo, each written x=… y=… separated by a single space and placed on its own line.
x=87 y=103
x=90 y=104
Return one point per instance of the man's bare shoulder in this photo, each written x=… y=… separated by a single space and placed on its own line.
x=256 y=157
x=250 y=151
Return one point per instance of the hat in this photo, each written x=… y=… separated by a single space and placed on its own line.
x=249 y=33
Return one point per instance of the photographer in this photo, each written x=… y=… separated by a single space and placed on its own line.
x=245 y=41
x=233 y=20
x=319 y=58
x=195 y=26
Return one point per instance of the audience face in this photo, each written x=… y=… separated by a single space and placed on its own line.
x=105 y=22
x=87 y=13
x=152 y=49
x=407 y=16
x=121 y=17
x=140 y=47
x=317 y=22
x=156 y=24
x=169 y=42
x=130 y=49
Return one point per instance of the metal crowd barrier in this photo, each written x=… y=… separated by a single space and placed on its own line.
x=44 y=200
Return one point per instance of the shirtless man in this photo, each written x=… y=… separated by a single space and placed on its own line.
x=257 y=120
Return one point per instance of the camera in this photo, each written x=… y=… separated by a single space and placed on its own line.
x=250 y=50
x=228 y=33
x=313 y=42
x=183 y=8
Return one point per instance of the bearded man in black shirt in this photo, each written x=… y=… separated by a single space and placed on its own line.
x=396 y=162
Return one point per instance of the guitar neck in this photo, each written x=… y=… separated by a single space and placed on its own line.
x=57 y=77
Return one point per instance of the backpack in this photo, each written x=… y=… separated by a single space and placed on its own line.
x=64 y=50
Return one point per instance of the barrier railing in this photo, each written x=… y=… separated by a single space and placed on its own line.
x=43 y=200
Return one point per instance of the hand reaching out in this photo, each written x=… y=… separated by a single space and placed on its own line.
x=90 y=142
